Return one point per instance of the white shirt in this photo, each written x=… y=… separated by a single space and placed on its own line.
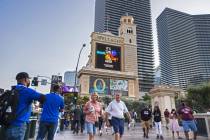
x=117 y=109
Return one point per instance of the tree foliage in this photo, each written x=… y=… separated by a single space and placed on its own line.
x=135 y=105
x=199 y=97
x=147 y=98
x=106 y=100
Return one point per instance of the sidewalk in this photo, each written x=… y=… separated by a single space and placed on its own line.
x=133 y=134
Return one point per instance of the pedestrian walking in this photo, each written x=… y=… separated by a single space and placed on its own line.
x=53 y=105
x=17 y=128
x=100 y=121
x=77 y=118
x=188 y=122
x=166 y=115
x=92 y=110
x=174 y=123
x=146 y=115
x=82 y=119
x=135 y=116
x=157 y=120
x=116 y=109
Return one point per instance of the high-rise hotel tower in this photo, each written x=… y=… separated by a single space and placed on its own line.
x=184 y=46
x=107 y=16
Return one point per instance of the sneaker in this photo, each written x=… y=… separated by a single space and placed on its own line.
x=161 y=137
x=147 y=137
x=100 y=133
x=157 y=137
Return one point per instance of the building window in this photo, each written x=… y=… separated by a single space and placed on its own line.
x=130 y=41
x=129 y=31
x=129 y=20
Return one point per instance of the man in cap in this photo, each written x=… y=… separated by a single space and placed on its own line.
x=16 y=129
x=116 y=109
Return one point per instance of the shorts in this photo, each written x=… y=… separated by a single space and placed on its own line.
x=90 y=127
x=146 y=124
x=189 y=125
x=118 y=125
x=167 y=120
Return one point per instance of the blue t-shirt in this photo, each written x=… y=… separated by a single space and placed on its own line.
x=26 y=96
x=51 y=108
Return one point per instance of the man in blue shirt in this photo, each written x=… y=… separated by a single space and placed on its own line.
x=16 y=129
x=49 y=118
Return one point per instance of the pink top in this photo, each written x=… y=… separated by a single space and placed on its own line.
x=92 y=111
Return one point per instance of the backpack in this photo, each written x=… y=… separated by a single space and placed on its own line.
x=8 y=105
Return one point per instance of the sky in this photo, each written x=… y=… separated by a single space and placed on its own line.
x=43 y=37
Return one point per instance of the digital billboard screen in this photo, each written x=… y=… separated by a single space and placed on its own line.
x=108 y=57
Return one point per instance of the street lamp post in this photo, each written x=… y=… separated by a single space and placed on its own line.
x=75 y=79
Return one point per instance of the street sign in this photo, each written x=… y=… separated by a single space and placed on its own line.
x=56 y=79
x=44 y=82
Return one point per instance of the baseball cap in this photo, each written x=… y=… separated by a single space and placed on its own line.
x=22 y=75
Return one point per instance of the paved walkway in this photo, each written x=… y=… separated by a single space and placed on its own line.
x=134 y=134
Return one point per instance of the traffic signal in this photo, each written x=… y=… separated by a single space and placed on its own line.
x=35 y=82
x=75 y=97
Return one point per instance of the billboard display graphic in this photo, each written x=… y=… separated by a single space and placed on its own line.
x=108 y=57
x=99 y=85
x=108 y=86
x=121 y=85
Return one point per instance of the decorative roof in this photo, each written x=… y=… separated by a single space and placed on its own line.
x=108 y=33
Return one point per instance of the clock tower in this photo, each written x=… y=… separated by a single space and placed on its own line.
x=127 y=30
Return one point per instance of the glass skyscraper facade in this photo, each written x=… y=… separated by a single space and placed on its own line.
x=107 y=17
x=184 y=48
x=69 y=78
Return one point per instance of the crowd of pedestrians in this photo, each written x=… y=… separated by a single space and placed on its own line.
x=93 y=115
